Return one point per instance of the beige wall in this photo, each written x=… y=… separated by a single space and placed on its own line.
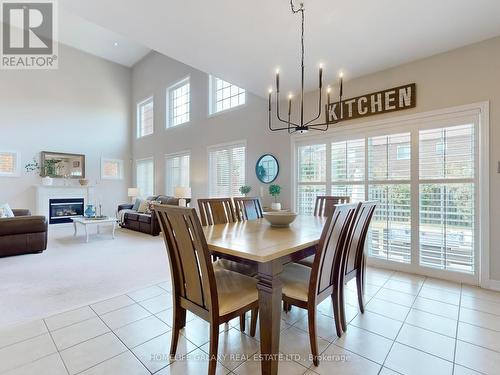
x=463 y=76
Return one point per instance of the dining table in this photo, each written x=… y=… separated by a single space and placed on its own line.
x=270 y=248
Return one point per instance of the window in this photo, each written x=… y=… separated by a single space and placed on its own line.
x=447 y=198
x=145 y=117
x=176 y=172
x=226 y=170
x=111 y=169
x=9 y=164
x=225 y=95
x=424 y=180
x=179 y=99
x=145 y=177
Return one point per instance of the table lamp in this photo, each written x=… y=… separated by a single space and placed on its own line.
x=133 y=193
x=182 y=193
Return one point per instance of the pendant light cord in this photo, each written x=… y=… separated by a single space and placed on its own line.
x=294 y=11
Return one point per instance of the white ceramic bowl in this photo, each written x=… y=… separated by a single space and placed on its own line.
x=280 y=219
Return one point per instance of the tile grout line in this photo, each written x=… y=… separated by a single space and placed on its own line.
x=58 y=352
x=456 y=330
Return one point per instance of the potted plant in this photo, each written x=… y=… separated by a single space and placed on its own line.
x=49 y=168
x=275 y=191
x=244 y=190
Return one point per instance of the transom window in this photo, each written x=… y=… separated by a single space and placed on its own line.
x=225 y=95
x=176 y=172
x=145 y=117
x=111 y=169
x=424 y=180
x=226 y=172
x=179 y=100
x=9 y=164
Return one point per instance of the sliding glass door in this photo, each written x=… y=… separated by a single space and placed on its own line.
x=423 y=176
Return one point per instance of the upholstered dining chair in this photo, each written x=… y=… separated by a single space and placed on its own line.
x=324 y=206
x=216 y=211
x=355 y=259
x=248 y=208
x=306 y=287
x=214 y=294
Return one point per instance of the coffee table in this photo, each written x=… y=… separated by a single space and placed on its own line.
x=86 y=222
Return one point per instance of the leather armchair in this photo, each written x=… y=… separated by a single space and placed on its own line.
x=23 y=233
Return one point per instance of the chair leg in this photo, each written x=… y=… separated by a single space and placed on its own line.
x=336 y=313
x=253 y=321
x=242 y=322
x=360 y=283
x=214 y=346
x=311 y=312
x=179 y=320
x=342 y=307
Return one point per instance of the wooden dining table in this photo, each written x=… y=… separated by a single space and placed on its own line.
x=255 y=241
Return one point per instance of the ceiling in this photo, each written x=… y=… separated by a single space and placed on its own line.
x=245 y=41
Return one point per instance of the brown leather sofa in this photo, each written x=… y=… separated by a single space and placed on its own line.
x=141 y=222
x=23 y=234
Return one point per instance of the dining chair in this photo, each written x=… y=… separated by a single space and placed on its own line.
x=325 y=204
x=306 y=287
x=248 y=208
x=355 y=259
x=214 y=294
x=216 y=211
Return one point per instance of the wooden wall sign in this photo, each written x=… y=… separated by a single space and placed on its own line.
x=395 y=99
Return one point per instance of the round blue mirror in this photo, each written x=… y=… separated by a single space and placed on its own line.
x=267 y=168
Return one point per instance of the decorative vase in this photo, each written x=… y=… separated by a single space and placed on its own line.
x=47 y=181
x=83 y=182
x=276 y=206
x=90 y=211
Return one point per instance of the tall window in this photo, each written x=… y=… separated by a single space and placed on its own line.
x=176 y=172
x=179 y=99
x=145 y=176
x=226 y=170
x=9 y=164
x=447 y=198
x=145 y=117
x=225 y=95
x=423 y=179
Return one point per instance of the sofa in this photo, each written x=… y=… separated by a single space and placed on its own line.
x=23 y=234
x=144 y=222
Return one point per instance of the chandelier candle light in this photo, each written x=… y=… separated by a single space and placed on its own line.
x=303 y=127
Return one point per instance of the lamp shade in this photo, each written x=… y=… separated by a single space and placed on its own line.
x=182 y=192
x=133 y=192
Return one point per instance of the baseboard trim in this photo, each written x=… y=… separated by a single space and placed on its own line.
x=493 y=285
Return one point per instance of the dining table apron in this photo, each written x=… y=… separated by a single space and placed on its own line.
x=256 y=242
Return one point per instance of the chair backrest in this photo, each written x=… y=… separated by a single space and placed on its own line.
x=190 y=265
x=248 y=208
x=325 y=204
x=356 y=242
x=216 y=211
x=327 y=269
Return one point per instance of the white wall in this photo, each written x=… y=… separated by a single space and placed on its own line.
x=152 y=76
x=83 y=107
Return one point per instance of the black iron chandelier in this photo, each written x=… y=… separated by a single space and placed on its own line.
x=303 y=127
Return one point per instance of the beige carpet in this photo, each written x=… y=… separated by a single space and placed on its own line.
x=72 y=273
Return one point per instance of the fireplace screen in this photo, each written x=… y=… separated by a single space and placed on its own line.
x=62 y=210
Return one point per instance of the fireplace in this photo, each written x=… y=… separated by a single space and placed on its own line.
x=62 y=210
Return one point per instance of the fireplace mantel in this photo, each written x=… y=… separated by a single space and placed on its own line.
x=44 y=193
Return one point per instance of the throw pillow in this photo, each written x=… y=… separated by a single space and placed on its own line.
x=137 y=203
x=144 y=207
x=5 y=210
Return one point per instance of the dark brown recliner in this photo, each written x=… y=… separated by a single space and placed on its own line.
x=23 y=234
x=145 y=223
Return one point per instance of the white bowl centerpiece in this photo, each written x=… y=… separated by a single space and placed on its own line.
x=280 y=219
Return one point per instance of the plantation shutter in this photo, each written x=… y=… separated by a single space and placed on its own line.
x=177 y=172
x=226 y=170
x=146 y=118
x=348 y=169
x=8 y=163
x=311 y=175
x=145 y=177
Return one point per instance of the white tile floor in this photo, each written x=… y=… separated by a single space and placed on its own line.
x=412 y=325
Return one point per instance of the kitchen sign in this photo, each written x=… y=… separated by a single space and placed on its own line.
x=395 y=99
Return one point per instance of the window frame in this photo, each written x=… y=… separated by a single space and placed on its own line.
x=172 y=156
x=151 y=158
x=223 y=146
x=120 y=169
x=169 y=101
x=212 y=95
x=149 y=99
x=477 y=113
x=17 y=165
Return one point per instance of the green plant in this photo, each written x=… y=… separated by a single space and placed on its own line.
x=275 y=191
x=245 y=189
x=49 y=167
x=32 y=166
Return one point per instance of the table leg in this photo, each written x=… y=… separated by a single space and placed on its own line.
x=86 y=233
x=74 y=227
x=269 y=287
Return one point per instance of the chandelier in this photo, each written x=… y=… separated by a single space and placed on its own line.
x=302 y=126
